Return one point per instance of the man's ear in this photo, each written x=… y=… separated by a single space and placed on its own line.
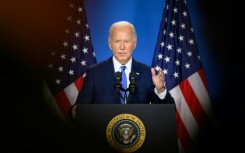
x=109 y=44
x=135 y=45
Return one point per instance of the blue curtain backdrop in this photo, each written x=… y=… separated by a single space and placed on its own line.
x=146 y=16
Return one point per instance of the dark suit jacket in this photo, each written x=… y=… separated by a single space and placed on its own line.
x=98 y=86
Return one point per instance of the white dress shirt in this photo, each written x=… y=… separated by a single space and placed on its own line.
x=117 y=67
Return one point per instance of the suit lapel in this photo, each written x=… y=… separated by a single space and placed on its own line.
x=110 y=78
x=135 y=68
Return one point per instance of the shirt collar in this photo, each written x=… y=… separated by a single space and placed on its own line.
x=117 y=65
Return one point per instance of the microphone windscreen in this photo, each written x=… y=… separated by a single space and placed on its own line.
x=132 y=76
x=118 y=76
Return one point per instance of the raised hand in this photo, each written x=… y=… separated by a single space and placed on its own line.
x=158 y=80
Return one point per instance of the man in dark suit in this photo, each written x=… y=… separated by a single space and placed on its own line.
x=98 y=86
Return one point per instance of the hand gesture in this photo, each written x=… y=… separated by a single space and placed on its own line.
x=158 y=80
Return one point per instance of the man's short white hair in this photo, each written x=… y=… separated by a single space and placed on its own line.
x=120 y=24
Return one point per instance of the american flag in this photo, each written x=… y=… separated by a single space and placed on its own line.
x=177 y=54
x=70 y=57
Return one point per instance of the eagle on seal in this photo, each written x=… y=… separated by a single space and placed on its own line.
x=126 y=133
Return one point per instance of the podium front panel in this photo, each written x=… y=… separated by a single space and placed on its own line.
x=159 y=121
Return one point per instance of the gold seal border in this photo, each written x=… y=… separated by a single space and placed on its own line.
x=133 y=118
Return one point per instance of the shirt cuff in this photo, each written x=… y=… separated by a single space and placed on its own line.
x=161 y=95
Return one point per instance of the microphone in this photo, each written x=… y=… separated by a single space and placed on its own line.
x=118 y=85
x=132 y=85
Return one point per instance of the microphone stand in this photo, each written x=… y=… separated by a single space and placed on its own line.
x=118 y=86
x=124 y=97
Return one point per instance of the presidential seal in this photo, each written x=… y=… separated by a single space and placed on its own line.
x=126 y=133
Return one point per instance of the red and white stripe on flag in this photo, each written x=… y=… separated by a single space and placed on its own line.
x=67 y=97
x=193 y=105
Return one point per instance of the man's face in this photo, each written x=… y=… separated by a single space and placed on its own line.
x=122 y=43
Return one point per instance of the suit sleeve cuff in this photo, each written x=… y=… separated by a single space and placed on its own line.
x=161 y=95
